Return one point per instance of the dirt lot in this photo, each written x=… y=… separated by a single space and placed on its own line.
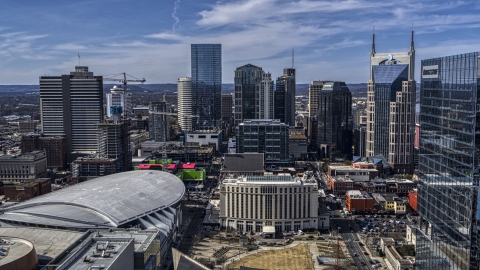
x=297 y=257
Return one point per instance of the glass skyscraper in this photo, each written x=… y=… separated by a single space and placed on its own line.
x=448 y=198
x=391 y=107
x=334 y=118
x=206 y=84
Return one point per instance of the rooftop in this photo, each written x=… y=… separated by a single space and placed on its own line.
x=246 y=162
x=12 y=249
x=357 y=194
x=108 y=201
x=49 y=243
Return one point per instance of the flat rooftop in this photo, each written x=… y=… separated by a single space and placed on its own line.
x=12 y=249
x=48 y=242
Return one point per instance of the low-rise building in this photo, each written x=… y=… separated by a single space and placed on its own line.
x=359 y=201
x=235 y=165
x=26 y=190
x=395 y=261
x=340 y=184
x=413 y=199
x=269 y=203
x=356 y=174
x=23 y=167
x=205 y=138
x=390 y=202
x=298 y=146
x=411 y=234
x=86 y=168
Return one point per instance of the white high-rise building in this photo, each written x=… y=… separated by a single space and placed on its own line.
x=72 y=105
x=116 y=98
x=184 y=90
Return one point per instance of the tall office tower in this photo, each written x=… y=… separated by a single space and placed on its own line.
x=184 y=90
x=266 y=101
x=285 y=97
x=247 y=88
x=158 y=121
x=116 y=99
x=113 y=144
x=334 y=136
x=227 y=105
x=253 y=94
x=448 y=191
x=390 y=107
x=359 y=142
x=206 y=84
x=268 y=136
x=314 y=90
x=72 y=105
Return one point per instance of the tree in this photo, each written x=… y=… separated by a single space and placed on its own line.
x=347 y=162
x=407 y=176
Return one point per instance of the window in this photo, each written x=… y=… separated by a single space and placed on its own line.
x=202 y=136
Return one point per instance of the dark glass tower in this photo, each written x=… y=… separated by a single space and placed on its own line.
x=448 y=166
x=206 y=84
x=247 y=88
x=285 y=97
x=334 y=135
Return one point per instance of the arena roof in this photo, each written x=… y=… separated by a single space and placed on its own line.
x=108 y=201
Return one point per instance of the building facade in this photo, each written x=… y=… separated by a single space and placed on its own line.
x=264 y=136
x=269 y=202
x=227 y=107
x=448 y=170
x=390 y=107
x=334 y=137
x=23 y=167
x=184 y=107
x=206 y=61
x=114 y=142
x=285 y=97
x=54 y=147
x=158 y=121
x=247 y=92
x=72 y=105
x=117 y=98
x=314 y=90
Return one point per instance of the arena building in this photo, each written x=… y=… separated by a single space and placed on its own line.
x=269 y=203
x=142 y=199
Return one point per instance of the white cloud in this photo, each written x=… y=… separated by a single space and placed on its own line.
x=164 y=35
x=69 y=47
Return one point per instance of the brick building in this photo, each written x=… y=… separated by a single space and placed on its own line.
x=359 y=201
x=26 y=190
x=412 y=199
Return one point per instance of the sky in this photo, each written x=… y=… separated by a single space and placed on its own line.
x=151 y=38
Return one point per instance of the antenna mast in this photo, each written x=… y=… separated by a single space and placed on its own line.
x=293 y=58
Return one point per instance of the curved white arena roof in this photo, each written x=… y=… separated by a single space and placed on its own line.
x=108 y=201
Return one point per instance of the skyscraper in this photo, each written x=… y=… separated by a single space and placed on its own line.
x=184 y=90
x=448 y=167
x=158 y=121
x=313 y=94
x=206 y=84
x=390 y=107
x=285 y=97
x=114 y=143
x=116 y=98
x=72 y=105
x=334 y=137
x=253 y=94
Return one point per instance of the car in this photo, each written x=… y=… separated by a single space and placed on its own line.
x=360 y=244
x=355 y=254
x=363 y=263
x=366 y=253
x=310 y=237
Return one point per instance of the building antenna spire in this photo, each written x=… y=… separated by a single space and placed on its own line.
x=412 y=44
x=79 y=59
x=293 y=58
x=373 y=41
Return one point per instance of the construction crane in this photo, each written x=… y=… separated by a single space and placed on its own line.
x=119 y=111
x=164 y=152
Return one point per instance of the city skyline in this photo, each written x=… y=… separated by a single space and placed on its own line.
x=152 y=39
